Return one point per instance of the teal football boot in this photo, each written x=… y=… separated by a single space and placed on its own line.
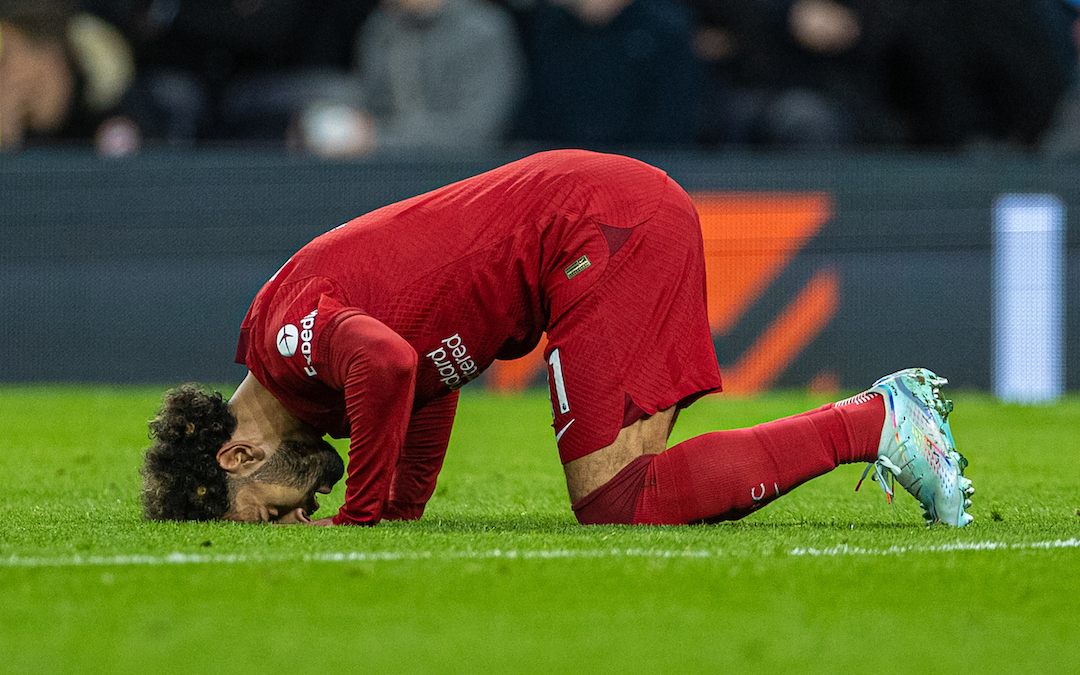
x=917 y=448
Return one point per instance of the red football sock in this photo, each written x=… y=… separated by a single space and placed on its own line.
x=726 y=475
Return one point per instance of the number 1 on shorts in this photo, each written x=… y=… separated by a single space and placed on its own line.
x=557 y=377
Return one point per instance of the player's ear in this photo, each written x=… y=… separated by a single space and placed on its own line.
x=240 y=457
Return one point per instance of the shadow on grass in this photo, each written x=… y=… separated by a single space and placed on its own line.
x=555 y=525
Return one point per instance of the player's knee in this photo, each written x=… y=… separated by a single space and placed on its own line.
x=615 y=502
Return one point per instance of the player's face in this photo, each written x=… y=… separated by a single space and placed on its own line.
x=284 y=489
x=258 y=502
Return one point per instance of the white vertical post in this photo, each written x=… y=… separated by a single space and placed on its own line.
x=1028 y=298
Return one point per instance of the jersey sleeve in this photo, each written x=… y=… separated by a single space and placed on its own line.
x=376 y=369
x=421 y=458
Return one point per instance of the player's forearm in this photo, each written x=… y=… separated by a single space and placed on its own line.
x=421 y=458
x=379 y=384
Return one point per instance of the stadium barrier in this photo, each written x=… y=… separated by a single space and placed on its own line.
x=824 y=271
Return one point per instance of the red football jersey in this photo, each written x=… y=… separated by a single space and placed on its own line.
x=449 y=281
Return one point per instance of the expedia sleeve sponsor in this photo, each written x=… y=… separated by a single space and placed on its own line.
x=453 y=362
x=289 y=337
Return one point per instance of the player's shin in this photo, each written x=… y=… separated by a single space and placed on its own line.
x=726 y=475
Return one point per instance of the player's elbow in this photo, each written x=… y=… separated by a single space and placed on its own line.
x=396 y=360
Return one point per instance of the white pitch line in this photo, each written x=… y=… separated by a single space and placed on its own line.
x=844 y=549
x=178 y=558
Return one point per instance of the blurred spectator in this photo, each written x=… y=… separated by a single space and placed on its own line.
x=1063 y=136
x=62 y=77
x=431 y=74
x=986 y=73
x=608 y=73
x=233 y=69
x=795 y=73
x=886 y=73
x=344 y=77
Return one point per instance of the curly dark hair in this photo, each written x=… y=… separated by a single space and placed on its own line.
x=181 y=474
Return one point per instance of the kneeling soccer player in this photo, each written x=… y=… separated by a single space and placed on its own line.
x=370 y=330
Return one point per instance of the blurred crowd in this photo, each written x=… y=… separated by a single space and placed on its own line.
x=347 y=78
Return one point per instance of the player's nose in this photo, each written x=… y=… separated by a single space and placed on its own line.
x=295 y=517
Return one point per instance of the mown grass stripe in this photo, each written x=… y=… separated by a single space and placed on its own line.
x=178 y=558
x=844 y=549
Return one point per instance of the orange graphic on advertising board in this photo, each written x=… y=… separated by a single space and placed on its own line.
x=785 y=338
x=517 y=375
x=750 y=238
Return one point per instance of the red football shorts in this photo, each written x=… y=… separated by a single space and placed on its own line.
x=637 y=339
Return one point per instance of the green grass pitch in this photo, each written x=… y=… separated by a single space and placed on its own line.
x=497 y=577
